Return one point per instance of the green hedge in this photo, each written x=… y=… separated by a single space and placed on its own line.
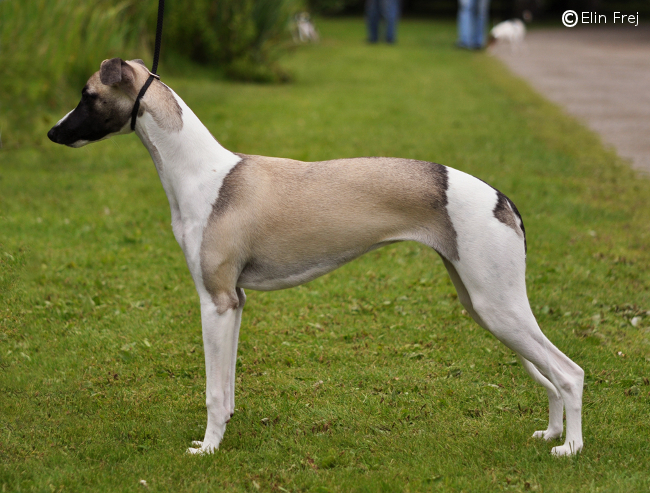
x=241 y=37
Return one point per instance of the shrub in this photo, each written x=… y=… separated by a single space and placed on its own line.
x=243 y=38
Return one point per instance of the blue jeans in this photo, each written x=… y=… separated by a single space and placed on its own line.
x=376 y=9
x=472 y=20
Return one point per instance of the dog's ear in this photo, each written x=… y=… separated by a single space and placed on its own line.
x=110 y=73
x=116 y=71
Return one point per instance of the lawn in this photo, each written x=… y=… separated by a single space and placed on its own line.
x=371 y=378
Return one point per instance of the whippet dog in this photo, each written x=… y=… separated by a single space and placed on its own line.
x=253 y=222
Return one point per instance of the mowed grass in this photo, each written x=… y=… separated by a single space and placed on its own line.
x=371 y=378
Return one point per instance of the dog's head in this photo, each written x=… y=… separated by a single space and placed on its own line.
x=106 y=104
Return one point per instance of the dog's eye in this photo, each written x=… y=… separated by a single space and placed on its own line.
x=88 y=95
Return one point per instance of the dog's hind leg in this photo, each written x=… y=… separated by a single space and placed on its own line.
x=463 y=295
x=555 y=404
x=500 y=305
x=516 y=327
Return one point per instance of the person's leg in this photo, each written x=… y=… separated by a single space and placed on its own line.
x=372 y=20
x=480 y=23
x=391 y=14
x=464 y=23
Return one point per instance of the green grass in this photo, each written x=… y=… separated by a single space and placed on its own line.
x=368 y=379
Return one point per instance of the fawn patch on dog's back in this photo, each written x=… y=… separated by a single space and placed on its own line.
x=289 y=221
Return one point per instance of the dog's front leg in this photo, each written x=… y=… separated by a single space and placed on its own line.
x=220 y=333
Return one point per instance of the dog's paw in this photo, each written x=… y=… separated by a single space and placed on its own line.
x=547 y=435
x=566 y=449
x=201 y=448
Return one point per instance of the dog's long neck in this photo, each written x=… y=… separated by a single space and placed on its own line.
x=191 y=165
x=189 y=160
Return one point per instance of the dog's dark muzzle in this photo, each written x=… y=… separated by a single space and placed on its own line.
x=70 y=129
x=53 y=134
x=61 y=134
x=83 y=125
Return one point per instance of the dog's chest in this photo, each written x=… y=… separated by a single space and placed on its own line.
x=192 y=166
x=191 y=208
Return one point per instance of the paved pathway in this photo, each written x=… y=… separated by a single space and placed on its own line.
x=600 y=75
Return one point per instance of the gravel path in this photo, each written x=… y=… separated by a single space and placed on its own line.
x=600 y=75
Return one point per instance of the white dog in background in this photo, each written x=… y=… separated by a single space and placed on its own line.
x=305 y=30
x=512 y=32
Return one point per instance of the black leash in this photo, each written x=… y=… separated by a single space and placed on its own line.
x=154 y=67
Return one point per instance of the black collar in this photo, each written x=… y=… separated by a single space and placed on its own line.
x=136 y=105
x=154 y=67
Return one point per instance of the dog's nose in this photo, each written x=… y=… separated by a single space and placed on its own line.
x=52 y=135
